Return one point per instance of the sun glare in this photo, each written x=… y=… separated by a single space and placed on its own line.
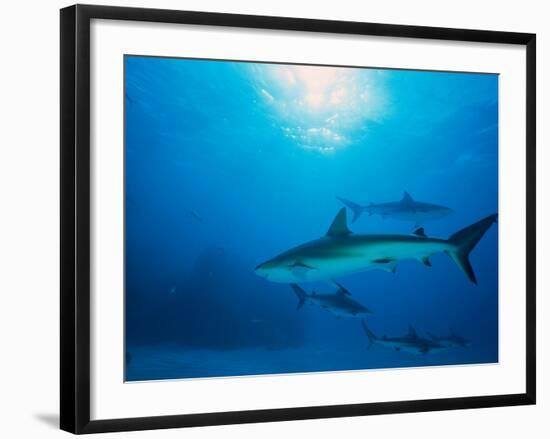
x=319 y=106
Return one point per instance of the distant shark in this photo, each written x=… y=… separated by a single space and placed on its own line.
x=339 y=303
x=340 y=252
x=405 y=210
x=452 y=340
x=190 y=213
x=411 y=342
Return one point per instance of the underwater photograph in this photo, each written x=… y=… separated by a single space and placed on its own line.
x=293 y=218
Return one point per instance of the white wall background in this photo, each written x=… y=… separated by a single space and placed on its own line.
x=29 y=249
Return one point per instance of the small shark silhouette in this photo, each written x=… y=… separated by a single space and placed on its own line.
x=451 y=340
x=406 y=209
x=339 y=303
x=410 y=342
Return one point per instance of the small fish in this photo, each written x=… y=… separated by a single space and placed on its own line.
x=132 y=203
x=129 y=98
x=192 y=214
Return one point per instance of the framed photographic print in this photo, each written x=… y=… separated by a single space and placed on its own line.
x=267 y=218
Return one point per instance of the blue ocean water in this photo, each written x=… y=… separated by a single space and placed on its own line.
x=228 y=164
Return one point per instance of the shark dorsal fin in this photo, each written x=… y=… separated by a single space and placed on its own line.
x=407 y=199
x=412 y=331
x=420 y=232
x=339 y=226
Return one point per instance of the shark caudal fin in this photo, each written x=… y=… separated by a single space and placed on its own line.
x=302 y=295
x=465 y=240
x=355 y=208
x=372 y=338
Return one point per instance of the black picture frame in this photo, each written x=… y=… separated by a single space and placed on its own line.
x=75 y=217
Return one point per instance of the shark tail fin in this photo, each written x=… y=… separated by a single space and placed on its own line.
x=354 y=207
x=465 y=240
x=302 y=295
x=372 y=338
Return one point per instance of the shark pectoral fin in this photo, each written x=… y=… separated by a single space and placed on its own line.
x=299 y=272
x=300 y=269
x=426 y=261
x=387 y=264
x=420 y=232
x=301 y=294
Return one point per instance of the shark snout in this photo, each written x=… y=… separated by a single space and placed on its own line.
x=261 y=270
x=363 y=311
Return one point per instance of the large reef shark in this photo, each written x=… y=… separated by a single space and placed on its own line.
x=410 y=342
x=339 y=303
x=406 y=209
x=341 y=252
x=452 y=340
